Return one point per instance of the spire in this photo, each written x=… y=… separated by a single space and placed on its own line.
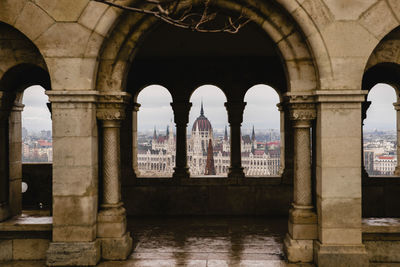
x=253 y=135
x=226 y=134
x=167 y=132
x=155 y=133
x=210 y=168
x=201 y=110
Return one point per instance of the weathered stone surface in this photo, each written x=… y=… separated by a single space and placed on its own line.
x=92 y=14
x=10 y=10
x=6 y=252
x=63 y=10
x=116 y=248
x=339 y=255
x=64 y=40
x=379 y=19
x=383 y=251
x=72 y=73
x=73 y=253
x=74 y=233
x=348 y=10
x=74 y=210
x=32 y=12
x=298 y=250
x=30 y=249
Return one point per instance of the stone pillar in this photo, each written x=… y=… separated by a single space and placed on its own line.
x=338 y=179
x=116 y=243
x=181 y=118
x=235 y=119
x=75 y=179
x=302 y=218
x=397 y=108
x=135 y=167
x=282 y=137
x=4 y=207
x=15 y=159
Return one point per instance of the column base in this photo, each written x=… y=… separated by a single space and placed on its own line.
x=236 y=173
x=111 y=222
x=303 y=223
x=118 y=248
x=298 y=250
x=340 y=255
x=397 y=171
x=181 y=173
x=73 y=253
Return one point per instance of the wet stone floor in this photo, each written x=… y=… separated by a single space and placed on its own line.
x=206 y=241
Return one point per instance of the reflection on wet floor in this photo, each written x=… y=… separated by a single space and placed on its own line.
x=207 y=241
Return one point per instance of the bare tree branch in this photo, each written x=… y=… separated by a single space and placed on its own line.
x=201 y=21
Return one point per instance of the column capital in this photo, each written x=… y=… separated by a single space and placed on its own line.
x=396 y=106
x=111 y=106
x=302 y=112
x=181 y=112
x=235 y=111
x=136 y=107
x=88 y=96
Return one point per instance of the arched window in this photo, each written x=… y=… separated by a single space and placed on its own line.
x=208 y=139
x=36 y=126
x=261 y=138
x=380 y=131
x=156 y=133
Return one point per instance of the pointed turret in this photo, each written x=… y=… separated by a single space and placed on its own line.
x=253 y=135
x=167 y=132
x=226 y=134
x=202 y=109
x=210 y=167
x=155 y=134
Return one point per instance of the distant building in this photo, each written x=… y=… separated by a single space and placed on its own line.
x=258 y=158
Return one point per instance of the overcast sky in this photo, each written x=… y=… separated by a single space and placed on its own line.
x=261 y=110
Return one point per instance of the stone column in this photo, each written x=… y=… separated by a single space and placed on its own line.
x=4 y=207
x=15 y=158
x=181 y=119
x=75 y=179
x=397 y=108
x=135 y=167
x=235 y=119
x=302 y=218
x=116 y=243
x=282 y=137
x=338 y=179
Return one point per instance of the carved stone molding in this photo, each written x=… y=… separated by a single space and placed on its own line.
x=302 y=112
x=396 y=106
x=235 y=111
x=136 y=107
x=112 y=106
x=181 y=112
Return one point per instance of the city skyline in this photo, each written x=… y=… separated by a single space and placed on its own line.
x=261 y=99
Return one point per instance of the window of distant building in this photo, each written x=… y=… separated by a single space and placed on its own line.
x=261 y=140
x=156 y=133
x=36 y=126
x=380 y=132
x=208 y=149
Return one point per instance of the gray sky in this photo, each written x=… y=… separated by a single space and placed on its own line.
x=36 y=115
x=381 y=114
x=261 y=110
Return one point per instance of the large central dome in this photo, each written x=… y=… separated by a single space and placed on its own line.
x=202 y=123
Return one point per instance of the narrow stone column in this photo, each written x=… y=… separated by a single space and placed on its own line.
x=15 y=158
x=135 y=167
x=181 y=118
x=235 y=119
x=397 y=108
x=302 y=217
x=116 y=243
x=282 y=137
x=4 y=207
